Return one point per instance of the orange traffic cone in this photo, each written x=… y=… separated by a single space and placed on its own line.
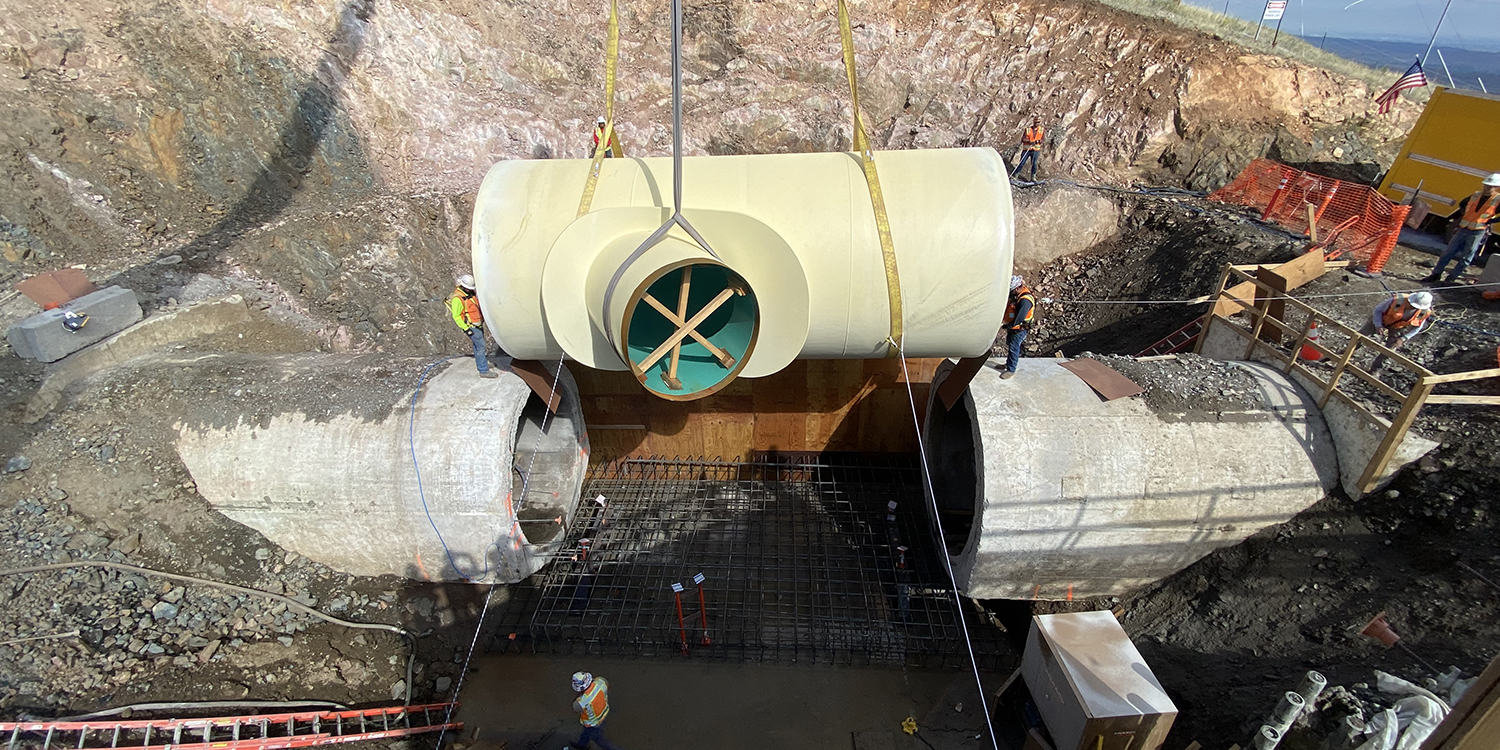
x=1310 y=352
x=1380 y=630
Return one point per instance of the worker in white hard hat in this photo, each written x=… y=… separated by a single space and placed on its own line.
x=609 y=148
x=1476 y=214
x=592 y=705
x=465 y=309
x=1020 y=310
x=1398 y=319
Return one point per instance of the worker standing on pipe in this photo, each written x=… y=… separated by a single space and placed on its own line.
x=1480 y=211
x=1398 y=319
x=1031 y=148
x=592 y=705
x=1019 y=312
x=465 y=309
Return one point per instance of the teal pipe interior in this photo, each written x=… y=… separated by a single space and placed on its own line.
x=732 y=327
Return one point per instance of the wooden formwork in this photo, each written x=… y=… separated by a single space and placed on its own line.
x=1263 y=336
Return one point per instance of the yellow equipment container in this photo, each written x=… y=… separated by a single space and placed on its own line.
x=1455 y=145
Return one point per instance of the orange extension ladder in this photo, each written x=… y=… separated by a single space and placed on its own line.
x=1175 y=341
x=250 y=732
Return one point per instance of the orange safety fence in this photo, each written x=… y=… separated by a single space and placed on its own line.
x=1362 y=222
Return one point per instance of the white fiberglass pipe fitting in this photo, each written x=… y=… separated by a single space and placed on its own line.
x=795 y=240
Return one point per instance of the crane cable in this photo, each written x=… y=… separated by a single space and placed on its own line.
x=861 y=143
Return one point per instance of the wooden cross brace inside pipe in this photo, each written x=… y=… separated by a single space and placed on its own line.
x=689 y=328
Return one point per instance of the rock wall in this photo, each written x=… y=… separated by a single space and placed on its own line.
x=303 y=142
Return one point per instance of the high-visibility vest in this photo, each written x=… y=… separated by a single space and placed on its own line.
x=1022 y=292
x=465 y=309
x=1480 y=212
x=593 y=704
x=1402 y=314
x=1032 y=139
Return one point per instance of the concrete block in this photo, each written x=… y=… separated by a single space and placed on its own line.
x=42 y=336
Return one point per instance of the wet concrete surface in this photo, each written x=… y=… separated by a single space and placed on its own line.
x=515 y=700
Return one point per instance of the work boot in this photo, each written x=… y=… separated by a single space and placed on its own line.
x=1431 y=278
x=1007 y=375
x=489 y=374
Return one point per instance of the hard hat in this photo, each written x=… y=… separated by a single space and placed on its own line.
x=1493 y=180
x=466 y=282
x=581 y=681
x=1422 y=300
x=600 y=120
x=1015 y=281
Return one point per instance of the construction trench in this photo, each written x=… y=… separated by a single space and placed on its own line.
x=766 y=531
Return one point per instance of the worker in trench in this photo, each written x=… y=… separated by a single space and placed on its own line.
x=465 y=309
x=1020 y=310
x=1478 y=212
x=1031 y=148
x=1398 y=319
x=592 y=705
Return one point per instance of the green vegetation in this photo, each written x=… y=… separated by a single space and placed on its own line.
x=1243 y=33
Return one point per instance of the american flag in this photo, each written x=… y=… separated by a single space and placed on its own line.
x=1412 y=78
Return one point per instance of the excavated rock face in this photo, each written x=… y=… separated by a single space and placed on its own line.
x=323 y=145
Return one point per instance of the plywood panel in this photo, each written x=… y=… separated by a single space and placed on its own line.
x=812 y=405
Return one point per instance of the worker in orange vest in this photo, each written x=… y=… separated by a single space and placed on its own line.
x=592 y=705
x=609 y=148
x=1031 y=147
x=465 y=309
x=1398 y=319
x=1020 y=310
x=1480 y=211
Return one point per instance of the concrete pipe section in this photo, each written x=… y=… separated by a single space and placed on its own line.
x=1046 y=491
x=796 y=271
x=341 y=488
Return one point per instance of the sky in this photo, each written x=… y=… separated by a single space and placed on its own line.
x=1472 y=24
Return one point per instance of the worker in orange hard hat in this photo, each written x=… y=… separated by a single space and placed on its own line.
x=1398 y=319
x=592 y=705
x=1479 y=211
x=1020 y=310
x=1031 y=148
x=465 y=309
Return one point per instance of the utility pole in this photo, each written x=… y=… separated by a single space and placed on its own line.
x=1435 y=31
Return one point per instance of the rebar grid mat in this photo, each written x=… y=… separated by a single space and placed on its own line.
x=805 y=562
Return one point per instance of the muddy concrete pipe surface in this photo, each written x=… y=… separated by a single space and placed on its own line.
x=337 y=484
x=1046 y=491
x=795 y=248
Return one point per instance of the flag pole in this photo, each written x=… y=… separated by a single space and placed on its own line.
x=1435 y=30
x=1444 y=61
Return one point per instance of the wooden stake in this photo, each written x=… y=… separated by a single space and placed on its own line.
x=682 y=302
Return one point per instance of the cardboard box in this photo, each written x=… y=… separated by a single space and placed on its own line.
x=1091 y=686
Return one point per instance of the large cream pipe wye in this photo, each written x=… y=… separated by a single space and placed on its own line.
x=794 y=232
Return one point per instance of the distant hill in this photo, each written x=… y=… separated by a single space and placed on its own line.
x=1467 y=66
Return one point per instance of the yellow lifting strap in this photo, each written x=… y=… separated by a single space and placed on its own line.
x=608 y=138
x=872 y=180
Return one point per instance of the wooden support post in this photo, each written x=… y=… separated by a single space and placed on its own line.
x=1301 y=340
x=687 y=328
x=1338 y=370
x=682 y=302
x=724 y=357
x=1260 y=322
x=1312 y=223
x=1393 y=436
x=1208 y=317
x=953 y=387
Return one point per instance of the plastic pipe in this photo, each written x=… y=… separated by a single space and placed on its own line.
x=1287 y=710
x=1266 y=738
x=1311 y=687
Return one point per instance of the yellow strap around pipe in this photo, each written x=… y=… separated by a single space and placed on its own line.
x=611 y=53
x=872 y=180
